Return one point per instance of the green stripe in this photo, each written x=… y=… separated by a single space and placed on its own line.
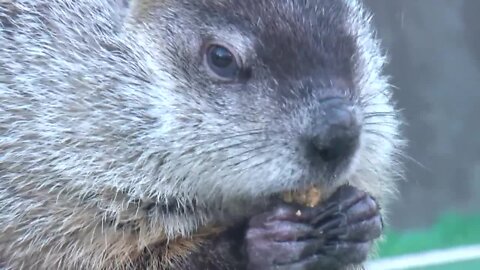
x=451 y=230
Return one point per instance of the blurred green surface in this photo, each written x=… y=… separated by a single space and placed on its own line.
x=451 y=230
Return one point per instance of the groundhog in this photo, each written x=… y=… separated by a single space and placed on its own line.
x=161 y=134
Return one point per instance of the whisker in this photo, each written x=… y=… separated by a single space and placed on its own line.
x=233 y=145
x=217 y=140
x=413 y=160
x=256 y=165
x=367 y=98
x=379 y=114
x=246 y=152
x=249 y=158
x=373 y=124
x=382 y=135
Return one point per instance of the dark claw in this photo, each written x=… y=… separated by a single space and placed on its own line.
x=344 y=198
x=321 y=215
x=265 y=253
x=363 y=231
x=337 y=234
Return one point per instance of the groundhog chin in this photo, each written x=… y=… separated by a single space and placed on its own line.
x=311 y=190
x=307 y=190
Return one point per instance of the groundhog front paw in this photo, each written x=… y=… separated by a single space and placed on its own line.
x=336 y=234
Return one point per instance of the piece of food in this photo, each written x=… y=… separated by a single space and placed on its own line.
x=310 y=197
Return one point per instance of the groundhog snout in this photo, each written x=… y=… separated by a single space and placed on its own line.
x=335 y=132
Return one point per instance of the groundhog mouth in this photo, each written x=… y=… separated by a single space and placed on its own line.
x=309 y=197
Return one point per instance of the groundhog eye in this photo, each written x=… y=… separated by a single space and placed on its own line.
x=222 y=62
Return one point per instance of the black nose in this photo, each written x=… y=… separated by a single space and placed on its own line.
x=335 y=134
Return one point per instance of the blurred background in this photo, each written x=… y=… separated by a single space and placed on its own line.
x=434 y=46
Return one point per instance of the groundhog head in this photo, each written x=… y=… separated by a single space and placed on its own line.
x=250 y=98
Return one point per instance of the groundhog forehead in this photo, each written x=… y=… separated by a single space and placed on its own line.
x=292 y=38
